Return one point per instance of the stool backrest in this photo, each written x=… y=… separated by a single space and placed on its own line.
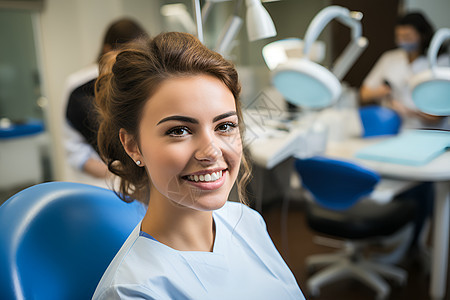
x=335 y=184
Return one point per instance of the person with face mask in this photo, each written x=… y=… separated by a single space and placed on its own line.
x=387 y=82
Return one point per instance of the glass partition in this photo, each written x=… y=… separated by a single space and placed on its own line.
x=19 y=74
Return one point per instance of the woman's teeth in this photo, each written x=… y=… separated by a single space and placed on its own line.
x=205 y=177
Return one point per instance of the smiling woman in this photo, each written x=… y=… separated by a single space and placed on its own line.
x=171 y=129
x=137 y=67
x=188 y=141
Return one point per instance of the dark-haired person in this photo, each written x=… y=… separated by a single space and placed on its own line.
x=81 y=117
x=171 y=129
x=388 y=81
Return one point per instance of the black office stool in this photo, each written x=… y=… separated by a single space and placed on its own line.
x=341 y=210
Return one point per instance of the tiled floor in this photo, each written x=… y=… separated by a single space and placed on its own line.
x=300 y=245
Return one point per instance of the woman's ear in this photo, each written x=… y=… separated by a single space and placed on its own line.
x=131 y=147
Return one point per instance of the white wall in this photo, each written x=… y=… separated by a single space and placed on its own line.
x=436 y=10
x=71 y=34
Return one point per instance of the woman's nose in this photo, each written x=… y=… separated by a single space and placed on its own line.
x=208 y=152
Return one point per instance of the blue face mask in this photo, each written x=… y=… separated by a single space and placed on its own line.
x=409 y=47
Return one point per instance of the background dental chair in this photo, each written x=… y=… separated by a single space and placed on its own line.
x=340 y=210
x=378 y=120
x=58 y=238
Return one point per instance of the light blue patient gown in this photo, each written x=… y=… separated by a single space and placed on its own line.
x=244 y=264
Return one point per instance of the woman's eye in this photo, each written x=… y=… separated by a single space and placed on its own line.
x=226 y=127
x=178 y=131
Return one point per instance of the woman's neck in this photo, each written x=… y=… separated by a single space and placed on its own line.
x=179 y=227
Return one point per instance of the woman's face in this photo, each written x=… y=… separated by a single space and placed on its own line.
x=407 y=37
x=189 y=142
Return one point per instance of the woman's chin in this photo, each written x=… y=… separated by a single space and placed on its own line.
x=209 y=202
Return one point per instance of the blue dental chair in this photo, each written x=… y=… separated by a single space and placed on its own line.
x=58 y=238
x=341 y=209
x=378 y=120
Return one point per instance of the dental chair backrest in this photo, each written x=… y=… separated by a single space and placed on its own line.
x=58 y=238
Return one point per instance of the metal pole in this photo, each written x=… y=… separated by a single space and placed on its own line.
x=198 y=19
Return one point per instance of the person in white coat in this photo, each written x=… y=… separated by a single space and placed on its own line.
x=81 y=118
x=388 y=81
x=171 y=129
x=388 y=84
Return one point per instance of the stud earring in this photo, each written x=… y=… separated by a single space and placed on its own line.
x=138 y=162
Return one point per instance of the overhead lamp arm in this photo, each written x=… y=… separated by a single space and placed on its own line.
x=353 y=49
x=436 y=42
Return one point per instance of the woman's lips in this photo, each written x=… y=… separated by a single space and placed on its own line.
x=207 y=181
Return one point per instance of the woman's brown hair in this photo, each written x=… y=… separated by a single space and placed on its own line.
x=129 y=77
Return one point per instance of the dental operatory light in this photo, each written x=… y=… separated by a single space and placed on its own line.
x=177 y=12
x=279 y=52
x=431 y=88
x=258 y=21
x=305 y=83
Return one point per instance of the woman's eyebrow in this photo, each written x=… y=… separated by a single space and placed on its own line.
x=195 y=121
x=223 y=116
x=179 y=118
